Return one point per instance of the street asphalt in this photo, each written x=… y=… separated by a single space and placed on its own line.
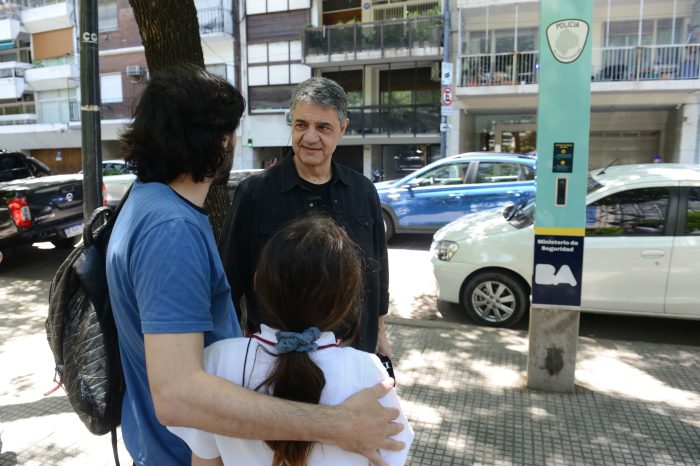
x=463 y=388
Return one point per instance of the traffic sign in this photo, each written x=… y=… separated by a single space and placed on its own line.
x=446 y=74
x=448 y=96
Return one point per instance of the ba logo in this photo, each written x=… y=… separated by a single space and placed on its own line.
x=546 y=274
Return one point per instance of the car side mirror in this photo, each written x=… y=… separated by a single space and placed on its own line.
x=509 y=211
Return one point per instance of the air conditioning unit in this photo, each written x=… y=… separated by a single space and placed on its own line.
x=134 y=70
x=288 y=117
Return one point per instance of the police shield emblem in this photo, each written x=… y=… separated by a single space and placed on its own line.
x=567 y=38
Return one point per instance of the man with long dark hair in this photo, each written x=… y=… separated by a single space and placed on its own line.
x=310 y=181
x=170 y=295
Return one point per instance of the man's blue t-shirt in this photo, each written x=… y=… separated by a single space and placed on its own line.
x=165 y=276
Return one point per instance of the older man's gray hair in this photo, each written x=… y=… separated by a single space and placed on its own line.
x=323 y=92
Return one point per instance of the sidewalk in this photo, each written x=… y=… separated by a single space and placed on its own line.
x=463 y=390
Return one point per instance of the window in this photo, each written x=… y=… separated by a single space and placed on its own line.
x=53 y=106
x=218 y=69
x=528 y=172
x=351 y=81
x=497 y=172
x=638 y=212
x=107 y=15
x=287 y=26
x=270 y=97
x=692 y=224
x=111 y=88
x=444 y=175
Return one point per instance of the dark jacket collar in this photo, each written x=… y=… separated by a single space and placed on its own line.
x=291 y=179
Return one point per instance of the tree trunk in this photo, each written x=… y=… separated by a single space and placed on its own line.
x=170 y=34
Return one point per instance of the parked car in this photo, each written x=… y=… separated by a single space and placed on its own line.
x=641 y=250
x=113 y=167
x=16 y=165
x=49 y=208
x=449 y=188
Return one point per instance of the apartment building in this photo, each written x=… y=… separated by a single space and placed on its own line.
x=385 y=53
x=40 y=75
x=644 y=79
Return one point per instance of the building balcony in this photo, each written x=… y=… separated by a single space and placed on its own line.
x=46 y=15
x=54 y=73
x=394 y=120
x=122 y=110
x=21 y=113
x=215 y=25
x=9 y=30
x=374 y=42
x=618 y=75
x=12 y=83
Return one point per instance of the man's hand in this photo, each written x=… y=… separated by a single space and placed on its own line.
x=368 y=424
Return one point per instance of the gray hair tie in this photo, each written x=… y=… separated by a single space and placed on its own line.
x=299 y=342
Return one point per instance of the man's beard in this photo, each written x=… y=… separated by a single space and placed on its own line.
x=222 y=174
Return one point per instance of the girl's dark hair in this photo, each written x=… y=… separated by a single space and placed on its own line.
x=179 y=122
x=309 y=275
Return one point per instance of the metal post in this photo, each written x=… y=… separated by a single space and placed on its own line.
x=90 y=108
x=445 y=59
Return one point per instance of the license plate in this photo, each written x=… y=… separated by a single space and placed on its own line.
x=74 y=230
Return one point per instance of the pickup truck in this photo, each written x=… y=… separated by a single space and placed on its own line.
x=48 y=208
x=16 y=165
x=35 y=206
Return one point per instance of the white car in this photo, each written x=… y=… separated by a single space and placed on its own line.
x=641 y=250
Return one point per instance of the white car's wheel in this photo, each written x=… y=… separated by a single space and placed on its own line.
x=495 y=299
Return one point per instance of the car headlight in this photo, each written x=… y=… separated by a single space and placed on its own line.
x=444 y=250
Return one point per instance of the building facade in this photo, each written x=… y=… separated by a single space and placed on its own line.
x=40 y=74
x=644 y=79
x=386 y=53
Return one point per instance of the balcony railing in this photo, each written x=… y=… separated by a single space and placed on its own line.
x=56 y=61
x=108 y=110
x=378 y=36
x=38 y=3
x=20 y=113
x=215 y=20
x=388 y=120
x=405 y=9
x=642 y=63
x=12 y=72
x=10 y=10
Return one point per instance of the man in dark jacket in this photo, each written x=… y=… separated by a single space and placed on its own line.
x=310 y=181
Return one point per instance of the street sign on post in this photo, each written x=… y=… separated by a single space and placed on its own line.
x=563 y=122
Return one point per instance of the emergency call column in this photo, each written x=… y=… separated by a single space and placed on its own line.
x=563 y=122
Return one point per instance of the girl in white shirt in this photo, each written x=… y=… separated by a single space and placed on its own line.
x=308 y=283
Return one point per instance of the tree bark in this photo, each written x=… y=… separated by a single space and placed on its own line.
x=170 y=35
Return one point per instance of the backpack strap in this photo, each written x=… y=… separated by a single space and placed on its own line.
x=114 y=446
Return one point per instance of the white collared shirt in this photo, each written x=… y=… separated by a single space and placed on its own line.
x=346 y=371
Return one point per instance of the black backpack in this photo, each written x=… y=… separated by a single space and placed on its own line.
x=81 y=330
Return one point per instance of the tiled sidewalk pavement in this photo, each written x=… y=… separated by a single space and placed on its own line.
x=635 y=403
